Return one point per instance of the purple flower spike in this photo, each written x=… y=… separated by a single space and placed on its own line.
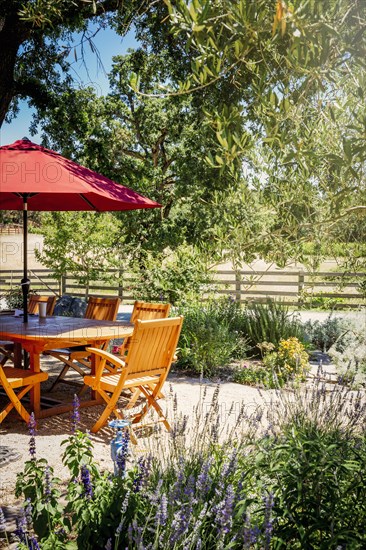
x=85 y=478
x=47 y=483
x=32 y=425
x=75 y=417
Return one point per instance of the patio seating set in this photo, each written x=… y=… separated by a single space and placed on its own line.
x=136 y=373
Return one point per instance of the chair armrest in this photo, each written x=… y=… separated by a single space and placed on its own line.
x=114 y=359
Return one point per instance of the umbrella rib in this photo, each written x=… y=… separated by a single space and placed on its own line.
x=88 y=202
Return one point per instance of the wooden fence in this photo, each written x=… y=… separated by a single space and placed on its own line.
x=291 y=287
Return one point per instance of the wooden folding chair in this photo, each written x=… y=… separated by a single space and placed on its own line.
x=11 y=379
x=6 y=352
x=144 y=311
x=153 y=345
x=102 y=309
x=34 y=301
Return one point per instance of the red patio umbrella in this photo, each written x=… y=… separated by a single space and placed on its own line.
x=38 y=179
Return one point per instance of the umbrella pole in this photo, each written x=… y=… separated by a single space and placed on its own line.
x=25 y=282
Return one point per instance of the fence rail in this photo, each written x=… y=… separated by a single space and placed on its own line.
x=291 y=287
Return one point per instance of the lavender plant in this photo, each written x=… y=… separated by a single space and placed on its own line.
x=293 y=478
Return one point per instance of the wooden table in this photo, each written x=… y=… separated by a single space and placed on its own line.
x=40 y=334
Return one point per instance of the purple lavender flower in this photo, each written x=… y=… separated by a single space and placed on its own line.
x=224 y=512
x=75 y=416
x=21 y=530
x=143 y=467
x=204 y=481
x=122 y=454
x=123 y=513
x=47 y=483
x=2 y=521
x=33 y=543
x=28 y=513
x=180 y=523
x=32 y=425
x=85 y=479
x=162 y=513
x=268 y=523
x=108 y=546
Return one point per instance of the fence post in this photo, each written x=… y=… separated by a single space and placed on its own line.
x=63 y=284
x=237 y=286
x=300 y=288
x=120 y=284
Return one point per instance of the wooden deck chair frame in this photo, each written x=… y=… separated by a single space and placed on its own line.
x=13 y=378
x=7 y=352
x=35 y=299
x=152 y=349
x=145 y=311
x=102 y=309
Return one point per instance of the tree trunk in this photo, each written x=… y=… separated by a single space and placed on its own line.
x=12 y=35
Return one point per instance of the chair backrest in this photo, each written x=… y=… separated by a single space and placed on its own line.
x=102 y=309
x=153 y=345
x=34 y=300
x=147 y=311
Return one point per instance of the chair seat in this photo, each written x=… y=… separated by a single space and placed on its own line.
x=109 y=382
x=21 y=377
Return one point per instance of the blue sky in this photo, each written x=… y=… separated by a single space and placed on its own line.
x=108 y=44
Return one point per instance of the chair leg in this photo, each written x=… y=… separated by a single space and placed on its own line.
x=61 y=376
x=15 y=403
x=151 y=402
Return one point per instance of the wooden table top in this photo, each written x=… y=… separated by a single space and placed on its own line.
x=61 y=328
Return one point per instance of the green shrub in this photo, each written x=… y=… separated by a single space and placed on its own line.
x=316 y=459
x=269 y=322
x=14 y=298
x=208 y=340
x=254 y=375
x=178 y=277
x=289 y=362
x=325 y=334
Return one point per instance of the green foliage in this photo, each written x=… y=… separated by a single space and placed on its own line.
x=270 y=323
x=316 y=460
x=208 y=339
x=254 y=375
x=289 y=362
x=176 y=277
x=14 y=297
x=291 y=479
x=333 y=331
x=82 y=244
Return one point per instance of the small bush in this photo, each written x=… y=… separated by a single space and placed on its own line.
x=325 y=334
x=269 y=322
x=14 y=298
x=208 y=340
x=290 y=362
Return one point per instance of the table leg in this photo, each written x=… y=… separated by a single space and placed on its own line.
x=35 y=393
x=18 y=352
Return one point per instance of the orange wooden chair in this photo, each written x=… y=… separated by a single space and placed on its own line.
x=102 y=309
x=34 y=300
x=144 y=311
x=11 y=379
x=151 y=352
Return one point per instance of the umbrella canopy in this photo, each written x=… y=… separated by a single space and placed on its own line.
x=38 y=179
x=52 y=183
